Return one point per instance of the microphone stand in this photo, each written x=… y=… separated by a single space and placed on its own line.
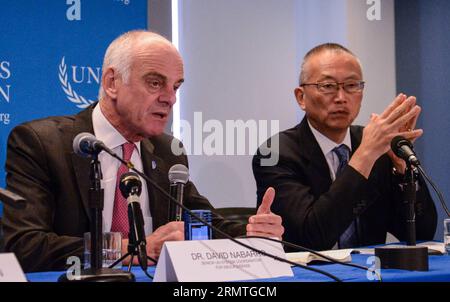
x=171 y=199
x=96 y=273
x=134 y=244
x=133 y=251
x=96 y=205
x=410 y=257
x=410 y=201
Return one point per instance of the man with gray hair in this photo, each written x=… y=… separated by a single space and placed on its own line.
x=142 y=72
x=337 y=183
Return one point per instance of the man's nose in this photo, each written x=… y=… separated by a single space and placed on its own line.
x=169 y=96
x=341 y=94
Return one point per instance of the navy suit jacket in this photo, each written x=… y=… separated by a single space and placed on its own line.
x=316 y=211
x=42 y=167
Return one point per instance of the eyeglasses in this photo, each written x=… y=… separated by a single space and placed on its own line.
x=333 y=87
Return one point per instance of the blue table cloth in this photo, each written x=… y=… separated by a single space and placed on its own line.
x=439 y=271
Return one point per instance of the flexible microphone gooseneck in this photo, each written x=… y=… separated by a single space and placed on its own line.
x=162 y=191
x=331 y=259
x=404 y=149
x=131 y=187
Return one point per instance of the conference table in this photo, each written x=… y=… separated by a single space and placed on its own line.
x=439 y=271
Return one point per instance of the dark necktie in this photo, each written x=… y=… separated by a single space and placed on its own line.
x=349 y=237
x=342 y=153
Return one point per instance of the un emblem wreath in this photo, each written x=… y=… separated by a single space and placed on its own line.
x=71 y=94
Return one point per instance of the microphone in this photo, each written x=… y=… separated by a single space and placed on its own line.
x=178 y=177
x=12 y=199
x=131 y=187
x=173 y=200
x=404 y=149
x=86 y=144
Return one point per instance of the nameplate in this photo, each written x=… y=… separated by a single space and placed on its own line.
x=10 y=270
x=219 y=260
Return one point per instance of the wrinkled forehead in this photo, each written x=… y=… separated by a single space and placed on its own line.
x=155 y=54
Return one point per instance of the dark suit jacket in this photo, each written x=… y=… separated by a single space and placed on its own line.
x=42 y=167
x=316 y=211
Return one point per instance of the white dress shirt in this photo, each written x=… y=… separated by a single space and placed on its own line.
x=327 y=146
x=105 y=132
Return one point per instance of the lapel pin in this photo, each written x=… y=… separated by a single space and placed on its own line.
x=153 y=164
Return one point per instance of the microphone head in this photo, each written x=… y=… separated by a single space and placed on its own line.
x=84 y=144
x=130 y=184
x=178 y=174
x=396 y=144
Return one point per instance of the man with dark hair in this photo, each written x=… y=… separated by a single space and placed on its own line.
x=337 y=183
x=141 y=74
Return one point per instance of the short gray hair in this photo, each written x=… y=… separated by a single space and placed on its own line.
x=119 y=54
x=319 y=49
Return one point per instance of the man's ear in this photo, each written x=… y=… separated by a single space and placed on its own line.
x=299 y=96
x=109 y=82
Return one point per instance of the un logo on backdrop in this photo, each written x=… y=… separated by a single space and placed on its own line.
x=80 y=74
x=5 y=86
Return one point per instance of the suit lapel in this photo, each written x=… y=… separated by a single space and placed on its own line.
x=317 y=168
x=81 y=166
x=155 y=168
x=355 y=138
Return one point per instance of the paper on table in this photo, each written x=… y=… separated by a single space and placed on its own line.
x=364 y=251
x=433 y=248
x=345 y=254
x=307 y=257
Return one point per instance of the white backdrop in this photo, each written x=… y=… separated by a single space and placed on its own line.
x=242 y=62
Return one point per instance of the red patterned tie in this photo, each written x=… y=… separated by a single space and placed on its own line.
x=120 y=212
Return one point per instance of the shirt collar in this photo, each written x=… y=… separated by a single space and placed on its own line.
x=106 y=132
x=326 y=144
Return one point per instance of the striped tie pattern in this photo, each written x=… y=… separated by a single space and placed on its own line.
x=120 y=211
